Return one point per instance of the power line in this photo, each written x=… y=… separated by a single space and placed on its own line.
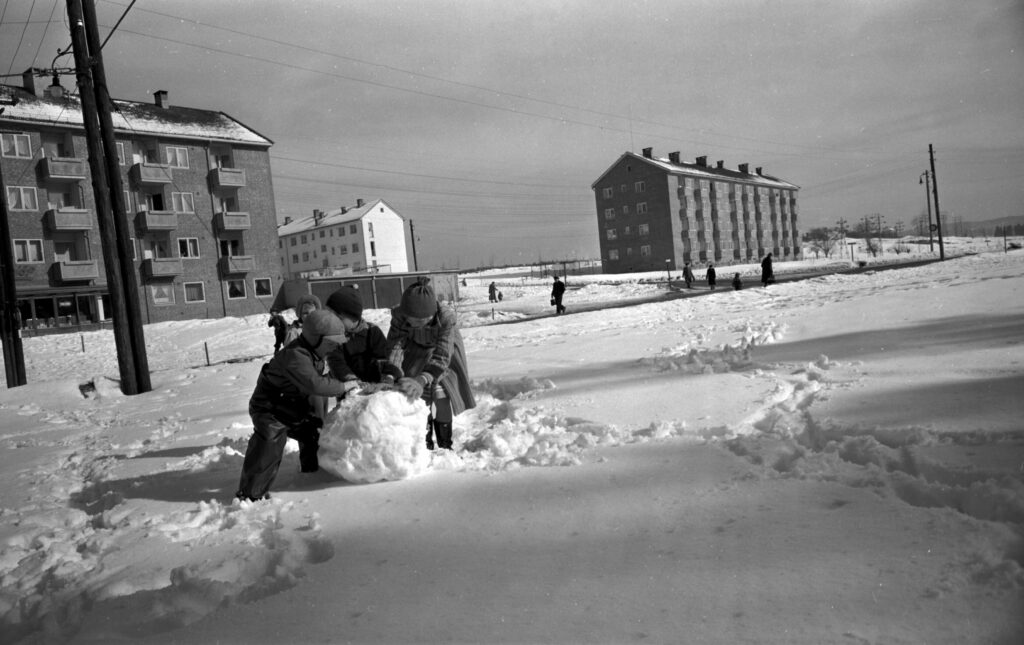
x=116 y=25
x=20 y=40
x=41 y=39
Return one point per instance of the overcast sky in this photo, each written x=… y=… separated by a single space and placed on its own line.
x=485 y=122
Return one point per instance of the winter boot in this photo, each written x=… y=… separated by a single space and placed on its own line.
x=430 y=433
x=443 y=431
x=308 y=462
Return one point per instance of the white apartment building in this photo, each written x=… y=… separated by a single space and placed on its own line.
x=367 y=238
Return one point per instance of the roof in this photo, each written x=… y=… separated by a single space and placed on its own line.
x=693 y=170
x=129 y=117
x=332 y=218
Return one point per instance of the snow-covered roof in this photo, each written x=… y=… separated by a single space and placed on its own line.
x=332 y=218
x=704 y=172
x=130 y=117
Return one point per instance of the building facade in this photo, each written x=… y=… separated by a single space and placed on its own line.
x=656 y=214
x=365 y=238
x=199 y=201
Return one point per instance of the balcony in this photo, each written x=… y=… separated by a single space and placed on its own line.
x=227 y=178
x=150 y=174
x=150 y=221
x=232 y=221
x=69 y=219
x=237 y=264
x=161 y=267
x=63 y=169
x=71 y=270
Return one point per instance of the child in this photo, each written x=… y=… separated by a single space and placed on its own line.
x=306 y=305
x=712 y=278
x=425 y=345
x=280 y=405
x=364 y=355
x=280 y=328
x=737 y=284
x=688 y=275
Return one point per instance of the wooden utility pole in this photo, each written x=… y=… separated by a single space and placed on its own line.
x=928 y=200
x=412 y=234
x=101 y=195
x=935 y=196
x=842 y=230
x=10 y=327
x=130 y=281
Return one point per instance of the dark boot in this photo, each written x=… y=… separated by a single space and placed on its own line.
x=430 y=433
x=308 y=461
x=444 y=434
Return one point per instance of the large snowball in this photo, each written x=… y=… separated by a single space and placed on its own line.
x=375 y=438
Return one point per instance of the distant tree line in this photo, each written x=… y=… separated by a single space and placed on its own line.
x=1008 y=230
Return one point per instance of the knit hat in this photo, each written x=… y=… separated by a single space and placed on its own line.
x=419 y=301
x=322 y=324
x=346 y=301
x=307 y=298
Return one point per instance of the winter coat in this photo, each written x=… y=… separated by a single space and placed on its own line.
x=287 y=382
x=362 y=355
x=293 y=333
x=711 y=276
x=558 y=289
x=766 y=269
x=687 y=274
x=435 y=349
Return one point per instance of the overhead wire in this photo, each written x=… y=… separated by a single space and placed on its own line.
x=39 y=48
x=22 y=38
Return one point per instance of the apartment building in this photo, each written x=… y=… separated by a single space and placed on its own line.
x=658 y=213
x=199 y=201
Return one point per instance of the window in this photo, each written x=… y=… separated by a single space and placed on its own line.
x=127 y=202
x=322 y=232
x=188 y=247
x=625 y=209
x=342 y=250
x=334 y=251
x=163 y=294
x=195 y=292
x=28 y=251
x=623 y=188
x=352 y=229
x=182 y=203
x=369 y=228
x=607 y=192
x=341 y=231
x=644 y=230
x=131 y=243
x=609 y=213
x=355 y=247
x=120 y=153
x=155 y=201
x=303 y=239
x=22 y=198
x=645 y=250
x=373 y=248
x=305 y=257
x=325 y=264
x=323 y=248
x=177 y=157
x=230 y=248
x=295 y=258
x=640 y=186
x=293 y=241
x=629 y=252
x=641 y=208
x=613 y=254
x=16 y=145
x=611 y=234
x=236 y=289
x=263 y=287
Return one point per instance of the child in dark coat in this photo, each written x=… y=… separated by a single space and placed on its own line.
x=280 y=326
x=363 y=357
x=425 y=344
x=712 y=277
x=737 y=284
x=280 y=405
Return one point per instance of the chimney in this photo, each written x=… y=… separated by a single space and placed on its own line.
x=702 y=161
x=758 y=169
x=160 y=98
x=317 y=216
x=720 y=163
x=344 y=209
x=359 y=203
x=28 y=80
x=648 y=152
x=745 y=168
x=674 y=156
x=287 y=220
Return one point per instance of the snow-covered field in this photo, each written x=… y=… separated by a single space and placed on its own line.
x=838 y=460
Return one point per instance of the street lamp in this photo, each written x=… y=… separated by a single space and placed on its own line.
x=923 y=179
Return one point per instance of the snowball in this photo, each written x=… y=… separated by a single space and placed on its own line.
x=373 y=438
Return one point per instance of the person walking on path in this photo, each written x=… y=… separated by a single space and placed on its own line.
x=737 y=284
x=280 y=404
x=280 y=326
x=711 y=276
x=557 y=291
x=767 y=274
x=688 y=275
x=492 y=292
x=426 y=348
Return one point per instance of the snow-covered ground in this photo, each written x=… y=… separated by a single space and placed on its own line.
x=838 y=460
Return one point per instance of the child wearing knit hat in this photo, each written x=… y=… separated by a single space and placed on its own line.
x=363 y=357
x=426 y=347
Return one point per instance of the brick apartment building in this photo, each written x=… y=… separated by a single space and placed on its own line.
x=365 y=238
x=655 y=214
x=199 y=199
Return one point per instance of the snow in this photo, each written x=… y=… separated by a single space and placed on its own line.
x=833 y=460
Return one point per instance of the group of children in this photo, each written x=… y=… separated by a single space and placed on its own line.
x=712 y=277
x=332 y=352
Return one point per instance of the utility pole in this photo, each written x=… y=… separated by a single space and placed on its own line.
x=878 y=222
x=101 y=194
x=10 y=328
x=130 y=280
x=412 y=234
x=935 y=196
x=842 y=230
x=925 y=178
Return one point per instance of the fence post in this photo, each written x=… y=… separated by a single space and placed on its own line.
x=82 y=336
x=206 y=348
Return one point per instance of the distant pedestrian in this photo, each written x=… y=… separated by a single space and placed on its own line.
x=307 y=304
x=711 y=277
x=767 y=274
x=557 y=291
x=492 y=292
x=280 y=326
x=688 y=275
x=500 y=296
x=737 y=284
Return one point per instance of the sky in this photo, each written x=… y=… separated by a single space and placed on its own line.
x=485 y=122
